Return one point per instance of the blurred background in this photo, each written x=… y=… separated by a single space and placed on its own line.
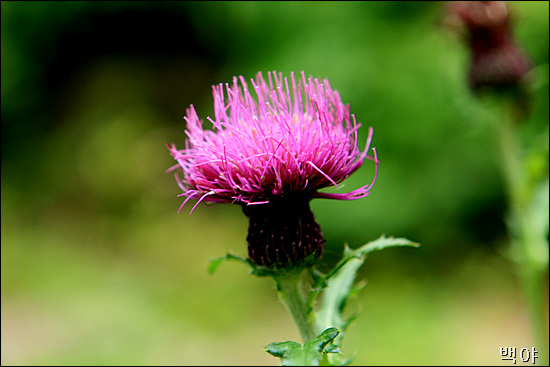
x=98 y=268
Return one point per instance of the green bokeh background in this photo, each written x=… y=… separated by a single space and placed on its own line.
x=98 y=267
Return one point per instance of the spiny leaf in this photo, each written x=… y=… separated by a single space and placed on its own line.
x=282 y=349
x=323 y=339
x=295 y=354
x=215 y=263
x=259 y=270
x=382 y=243
x=337 y=285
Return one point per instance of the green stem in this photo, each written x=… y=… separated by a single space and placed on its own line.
x=529 y=243
x=293 y=289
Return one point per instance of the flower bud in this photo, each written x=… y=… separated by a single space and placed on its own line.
x=497 y=62
x=283 y=233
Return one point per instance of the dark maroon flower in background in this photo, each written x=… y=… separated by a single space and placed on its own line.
x=271 y=154
x=497 y=60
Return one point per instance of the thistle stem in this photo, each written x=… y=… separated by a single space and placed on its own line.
x=293 y=289
x=528 y=242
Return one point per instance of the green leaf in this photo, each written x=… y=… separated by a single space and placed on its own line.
x=282 y=349
x=215 y=263
x=338 y=285
x=260 y=270
x=310 y=354
x=362 y=252
x=335 y=295
x=380 y=244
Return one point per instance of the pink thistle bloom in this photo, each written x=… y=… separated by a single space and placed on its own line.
x=271 y=154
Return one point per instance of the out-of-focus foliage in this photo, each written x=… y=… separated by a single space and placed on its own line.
x=97 y=266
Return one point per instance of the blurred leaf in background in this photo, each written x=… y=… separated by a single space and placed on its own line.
x=98 y=268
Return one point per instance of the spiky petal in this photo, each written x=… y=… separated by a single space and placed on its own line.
x=284 y=139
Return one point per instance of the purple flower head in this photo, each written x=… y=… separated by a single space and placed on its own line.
x=271 y=150
x=498 y=62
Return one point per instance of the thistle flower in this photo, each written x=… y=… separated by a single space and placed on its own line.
x=271 y=154
x=497 y=60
